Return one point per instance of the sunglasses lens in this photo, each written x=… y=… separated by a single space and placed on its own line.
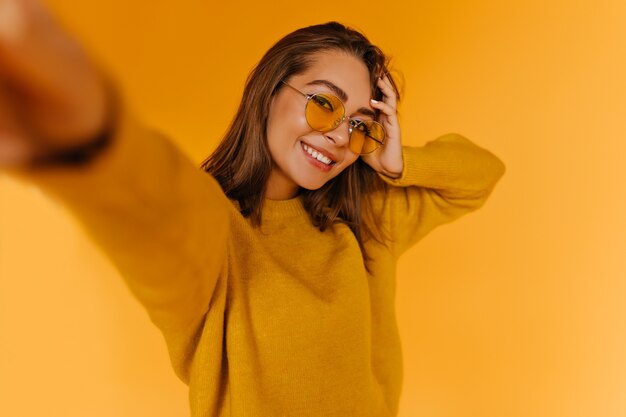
x=366 y=136
x=324 y=112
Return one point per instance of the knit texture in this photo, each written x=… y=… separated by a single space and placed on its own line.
x=281 y=320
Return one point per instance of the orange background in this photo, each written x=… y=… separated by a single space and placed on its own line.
x=513 y=311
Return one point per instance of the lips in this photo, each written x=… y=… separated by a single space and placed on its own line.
x=322 y=151
x=314 y=161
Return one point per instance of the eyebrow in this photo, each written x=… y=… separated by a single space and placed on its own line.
x=343 y=96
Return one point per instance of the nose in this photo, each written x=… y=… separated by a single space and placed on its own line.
x=340 y=135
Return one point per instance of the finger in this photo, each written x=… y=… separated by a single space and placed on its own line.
x=388 y=91
x=388 y=87
x=386 y=108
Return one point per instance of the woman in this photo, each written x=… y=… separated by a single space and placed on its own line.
x=272 y=278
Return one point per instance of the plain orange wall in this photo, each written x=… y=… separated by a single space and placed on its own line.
x=513 y=311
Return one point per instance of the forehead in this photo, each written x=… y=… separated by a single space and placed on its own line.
x=342 y=69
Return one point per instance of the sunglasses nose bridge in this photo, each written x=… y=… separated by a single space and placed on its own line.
x=345 y=139
x=341 y=120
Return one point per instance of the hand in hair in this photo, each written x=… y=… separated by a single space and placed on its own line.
x=387 y=159
x=53 y=100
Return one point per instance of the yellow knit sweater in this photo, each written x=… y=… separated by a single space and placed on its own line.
x=278 y=321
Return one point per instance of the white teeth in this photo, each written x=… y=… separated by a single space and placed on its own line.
x=323 y=159
x=317 y=155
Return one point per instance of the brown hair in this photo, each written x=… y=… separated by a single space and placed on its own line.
x=242 y=161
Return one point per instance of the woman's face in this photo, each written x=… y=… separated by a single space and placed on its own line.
x=288 y=133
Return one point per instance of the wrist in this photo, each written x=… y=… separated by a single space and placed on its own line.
x=392 y=175
x=89 y=148
x=77 y=155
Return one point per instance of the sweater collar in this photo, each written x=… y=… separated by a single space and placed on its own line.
x=281 y=209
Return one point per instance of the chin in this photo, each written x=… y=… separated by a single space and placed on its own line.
x=311 y=185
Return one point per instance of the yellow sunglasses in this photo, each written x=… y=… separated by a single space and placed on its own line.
x=324 y=112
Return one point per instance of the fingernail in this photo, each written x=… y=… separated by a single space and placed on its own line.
x=374 y=101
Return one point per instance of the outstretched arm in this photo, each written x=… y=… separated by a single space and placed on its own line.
x=162 y=221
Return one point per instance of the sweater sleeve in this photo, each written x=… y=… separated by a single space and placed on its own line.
x=160 y=220
x=443 y=180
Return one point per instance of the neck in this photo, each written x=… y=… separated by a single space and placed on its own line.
x=279 y=187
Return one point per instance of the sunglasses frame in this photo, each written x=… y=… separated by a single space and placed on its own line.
x=344 y=117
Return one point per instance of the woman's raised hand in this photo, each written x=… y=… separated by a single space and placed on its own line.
x=387 y=159
x=52 y=96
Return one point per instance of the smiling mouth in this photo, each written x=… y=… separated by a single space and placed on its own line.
x=313 y=161
x=317 y=156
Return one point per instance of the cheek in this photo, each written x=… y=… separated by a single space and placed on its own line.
x=349 y=160
x=351 y=157
x=284 y=124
